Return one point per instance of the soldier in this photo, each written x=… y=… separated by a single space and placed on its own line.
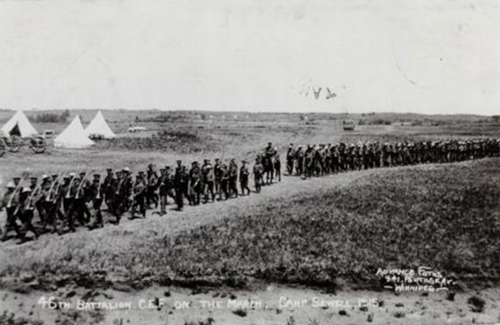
x=328 y=159
x=268 y=163
x=244 y=174
x=179 y=183
x=81 y=199
x=194 y=184
x=97 y=193
x=56 y=197
x=308 y=161
x=69 y=189
x=335 y=163
x=233 y=178
x=208 y=180
x=218 y=176
x=163 y=184
x=277 y=165
x=258 y=169
x=290 y=157
x=109 y=189
x=36 y=192
x=152 y=182
x=138 y=199
x=48 y=203
x=224 y=182
x=25 y=212
x=299 y=160
x=123 y=193
x=10 y=202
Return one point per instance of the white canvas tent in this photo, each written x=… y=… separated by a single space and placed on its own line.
x=19 y=125
x=99 y=128
x=74 y=136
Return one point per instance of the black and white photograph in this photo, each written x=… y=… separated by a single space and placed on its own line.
x=225 y=162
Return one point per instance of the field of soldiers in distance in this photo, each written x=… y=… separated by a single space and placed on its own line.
x=323 y=236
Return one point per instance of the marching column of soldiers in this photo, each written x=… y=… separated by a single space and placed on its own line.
x=62 y=202
x=323 y=159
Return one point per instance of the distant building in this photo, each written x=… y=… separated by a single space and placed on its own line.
x=348 y=125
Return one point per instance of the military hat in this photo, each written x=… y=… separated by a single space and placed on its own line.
x=55 y=176
x=97 y=175
x=269 y=143
x=45 y=176
x=167 y=167
x=126 y=169
x=16 y=178
x=291 y=144
x=243 y=161
x=66 y=177
x=72 y=174
x=26 y=190
x=34 y=178
x=11 y=185
x=162 y=170
x=82 y=173
x=109 y=169
x=217 y=159
x=140 y=172
x=194 y=163
x=206 y=160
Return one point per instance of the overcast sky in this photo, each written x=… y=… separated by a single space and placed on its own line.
x=427 y=56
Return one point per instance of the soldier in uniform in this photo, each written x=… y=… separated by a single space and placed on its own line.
x=299 y=160
x=258 y=170
x=208 y=180
x=233 y=178
x=152 y=182
x=244 y=174
x=56 y=199
x=81 y=199
x=218 y=176
x=10 y=201
x=277 y=164
x=36 y=192
x=179 y=183
x=25 y=212
x=48 y=203
x=123 y=192
x=224 y=182
x=97 y=193
x=194 y=184
x=290 y=157
x=163 y=183
x=308 y=161
x=109 y=189
x=138 y=199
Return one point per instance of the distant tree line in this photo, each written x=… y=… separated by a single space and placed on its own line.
x=51 y=117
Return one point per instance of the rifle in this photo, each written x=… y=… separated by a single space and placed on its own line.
x=25 y=175
x=32 y=195
x=68 y=193
x=98 y=196
x=77 y=195
x=57 y=180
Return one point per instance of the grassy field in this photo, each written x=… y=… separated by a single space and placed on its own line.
x=329 y=232
x=441 y=215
